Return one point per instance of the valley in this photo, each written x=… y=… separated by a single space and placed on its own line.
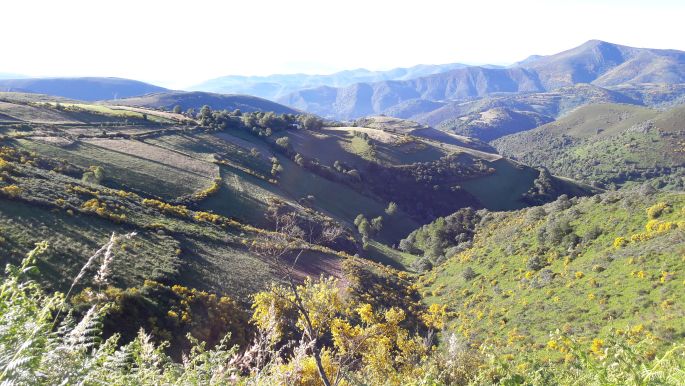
x=442 y=224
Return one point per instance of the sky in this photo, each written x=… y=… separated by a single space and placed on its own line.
x=180 y=43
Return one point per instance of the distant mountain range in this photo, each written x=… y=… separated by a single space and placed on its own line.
x=610 y=67
x=485 y=102
x=85 y=89
x=277 y=86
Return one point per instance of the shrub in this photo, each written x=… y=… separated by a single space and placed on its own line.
x=391 y=209
x=469 y=274
x=656 y=210
x=283 y=142
x=176 y=210
x=536 y=263
x=11 y=191
x=620 y=242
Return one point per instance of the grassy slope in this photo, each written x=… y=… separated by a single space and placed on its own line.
x=168 y=248
x=587 y=292
x=171 y=162
x=604 y=143
x=500 y=190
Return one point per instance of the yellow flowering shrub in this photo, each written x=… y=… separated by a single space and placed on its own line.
x=597 y=347
x=436 y=316
x=656 y=210
x=620 y=242
x=177 y=210
x=10 y=191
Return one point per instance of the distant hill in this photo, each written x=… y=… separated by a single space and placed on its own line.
x=197 y=99
x=495 y=116
x=85 y=89
x=363 y=99
x=533 y=91
x=607 y=144
x=608 y=64
x=276 y=86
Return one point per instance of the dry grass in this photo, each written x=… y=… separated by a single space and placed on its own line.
x=157 y=154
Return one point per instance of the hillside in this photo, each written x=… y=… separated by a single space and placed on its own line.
x=606 y=144
x=583 y=267
x=195 y=100
x=239 y=168
x=85 y=89
x=494 y=116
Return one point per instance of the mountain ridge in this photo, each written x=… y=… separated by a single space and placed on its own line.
x=277 y=85
x=606 y=66
x=81 y=88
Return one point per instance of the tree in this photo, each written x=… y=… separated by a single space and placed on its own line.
x=284 y=247
x=311 y=122
x=299 y=159
x=364 y=228
x=206 y=116
x=177 y=109
x=275 y=166
x=283 y=142
x=94 y=175
x=377 y=224
x=391 y=209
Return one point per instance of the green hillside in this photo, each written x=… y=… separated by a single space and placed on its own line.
x=227 y=204
x=605 y=145
x=587 y=267
x=236 y=166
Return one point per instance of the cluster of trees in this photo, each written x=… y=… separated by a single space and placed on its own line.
x=447 y=169
x=260 y=122
x=366 y=228
x=443 y=237
x=94 y=175
x=545 y=189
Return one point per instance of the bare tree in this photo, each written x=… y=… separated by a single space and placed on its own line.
x=283 y=248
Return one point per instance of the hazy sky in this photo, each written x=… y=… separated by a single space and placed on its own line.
x=179 y=43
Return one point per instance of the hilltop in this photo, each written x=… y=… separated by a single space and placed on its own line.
x=86 y=89
x=195 y=100
x=608 y=64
